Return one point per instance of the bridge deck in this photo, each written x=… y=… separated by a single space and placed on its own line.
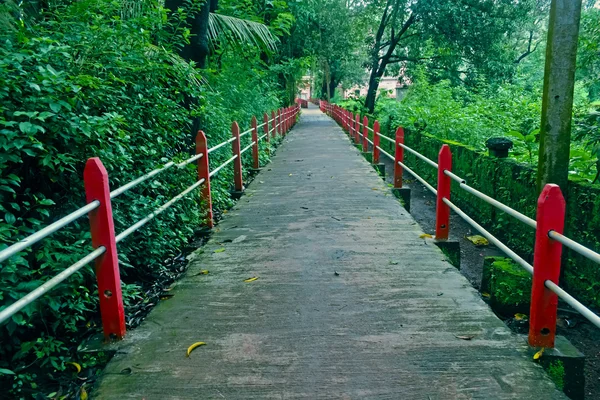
x=386 y=327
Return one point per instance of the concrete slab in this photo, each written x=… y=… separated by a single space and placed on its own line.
x=386 y=326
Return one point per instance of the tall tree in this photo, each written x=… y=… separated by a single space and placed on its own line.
x=557 y=101
x=456 y=36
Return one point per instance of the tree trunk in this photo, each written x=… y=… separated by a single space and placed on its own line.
x=376 y=73
x=198 y=48
x=327 y=81
x=557 y=100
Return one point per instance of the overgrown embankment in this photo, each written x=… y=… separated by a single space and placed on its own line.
x=437 y=114
x=91 y=80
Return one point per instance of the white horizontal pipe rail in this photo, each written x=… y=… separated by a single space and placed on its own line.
x=510 y=211
x=419 y=155
x=156 y=212
x=387 y=138
x=49 y=230
x=247 y=147
x=417 y=177
x=573 y=245
x=220 y=167
x=570 y=300
x=220 y=145
x=143 y=178
x=385 y=153
x=190 y=160
x=528 y=267
x=49 y=285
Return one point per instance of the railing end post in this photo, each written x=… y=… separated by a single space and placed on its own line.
x=546 y=267
x=102 y=228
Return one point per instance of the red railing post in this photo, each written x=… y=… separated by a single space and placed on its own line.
x=279 y=123
x=376 y=141
x=365 y=134
x=102 y=228
x=399 y=156
x=255 y=163
x=237 y=163
x=546 y=267
x=204 y=173
x=357 y=129
x=266 y=130
x=273 y=124
x=442 y=211
x=351 y=125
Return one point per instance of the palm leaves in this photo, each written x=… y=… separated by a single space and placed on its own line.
x=240 y=32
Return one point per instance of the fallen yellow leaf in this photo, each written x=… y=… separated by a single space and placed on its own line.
x=521 y=317
x=192 y=347
x=204 y=272
x=251 y=279
x=75 y=365
x=220 y=250
x=538 y=355
x=426 y=235
x=478 y=240
x=486 y=295
x=83 y=394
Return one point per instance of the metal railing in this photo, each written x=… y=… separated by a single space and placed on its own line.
x=99 y=210
x=548 y=225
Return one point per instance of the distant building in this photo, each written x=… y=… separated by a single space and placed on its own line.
x=389 y=86
x=304 y=88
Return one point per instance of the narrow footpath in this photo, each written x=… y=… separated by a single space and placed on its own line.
x=349 y=302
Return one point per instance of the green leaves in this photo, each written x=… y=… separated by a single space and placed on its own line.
x=30 y=129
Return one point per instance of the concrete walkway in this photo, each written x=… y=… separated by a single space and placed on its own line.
x=384 y=327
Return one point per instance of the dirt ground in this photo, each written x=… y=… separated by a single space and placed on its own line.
x=584 y=336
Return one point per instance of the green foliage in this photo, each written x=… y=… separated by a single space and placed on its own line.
x=556 y=372
x=91 y=79
x=472 y=117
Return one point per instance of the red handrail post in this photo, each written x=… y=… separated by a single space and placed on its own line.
x=365 y=134
x=442 y=211
x=273 y=124
x=357 y=129
x=238 y=184
x=103 y=234
x=351 y=125
x=376 y=141
x=546 y=267
x=399 y=157
x=204 y=173
x=266 y=130
x=255 y=163
x=279 y=123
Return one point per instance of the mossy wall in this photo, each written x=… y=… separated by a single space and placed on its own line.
x=514 y=184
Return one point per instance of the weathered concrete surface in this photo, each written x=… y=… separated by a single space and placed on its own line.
x=386 y=327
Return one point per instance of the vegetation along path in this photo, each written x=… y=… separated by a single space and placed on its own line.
x=349 y=302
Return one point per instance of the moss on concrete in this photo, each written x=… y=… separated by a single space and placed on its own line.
x=556 y=372
x=510 y=287
x=486 y=275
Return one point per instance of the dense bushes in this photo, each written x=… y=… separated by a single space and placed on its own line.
x=84 y=81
